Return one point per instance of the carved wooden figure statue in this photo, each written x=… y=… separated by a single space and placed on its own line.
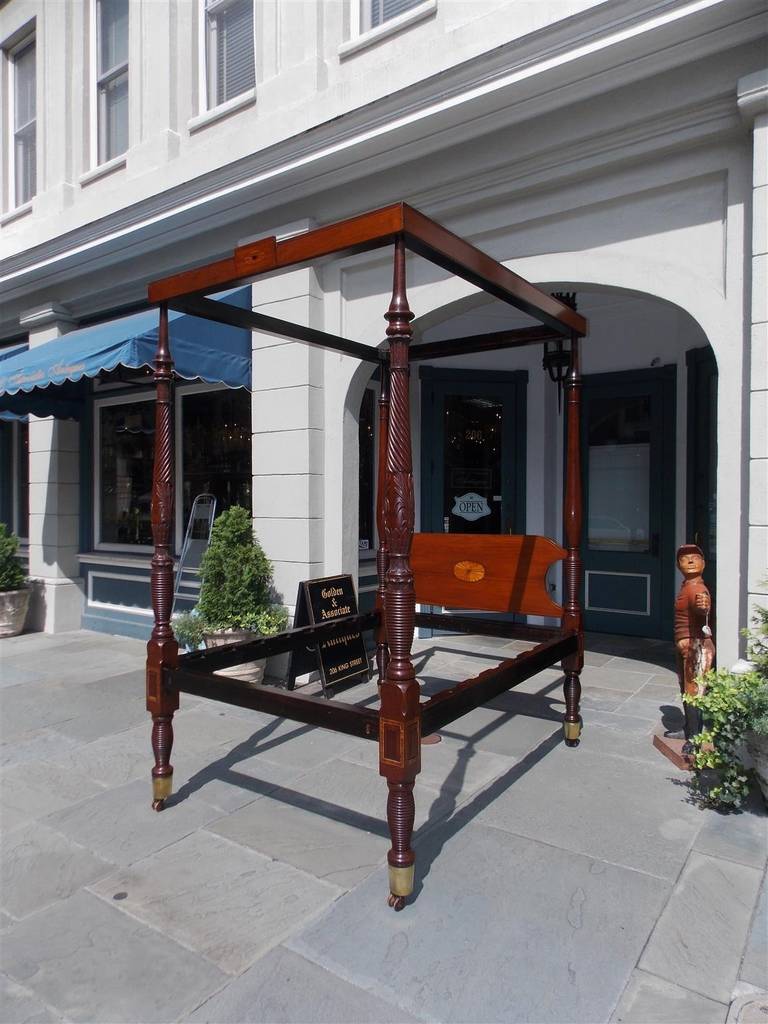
x=693 y=635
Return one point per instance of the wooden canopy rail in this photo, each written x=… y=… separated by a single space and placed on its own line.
x=506 y=574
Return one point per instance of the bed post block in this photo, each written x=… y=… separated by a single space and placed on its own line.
x=399 y=728
x=382 y=556
x=162 y=649
x=572 y=568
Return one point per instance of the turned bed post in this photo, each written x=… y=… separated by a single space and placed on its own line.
x=572 y=568
x=162 y=649
x=399 y=722
x=381 y=551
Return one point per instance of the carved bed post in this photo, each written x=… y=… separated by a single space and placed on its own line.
x=399 y=728
x=382 y=556
x=572 y=568
x=162 y=649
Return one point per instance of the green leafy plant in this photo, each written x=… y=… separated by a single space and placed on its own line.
x=189 y=630
x=732 y=705
x=235 y=585
x=11 y=573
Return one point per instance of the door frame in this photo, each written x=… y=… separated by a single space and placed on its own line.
x=666 y=378
x=517 y=383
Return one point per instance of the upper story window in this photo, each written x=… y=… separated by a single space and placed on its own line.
x=230 y=67
x=375 y=12
x=112 y=77
x=24 y=122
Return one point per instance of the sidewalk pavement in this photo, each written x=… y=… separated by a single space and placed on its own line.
x=553 y=884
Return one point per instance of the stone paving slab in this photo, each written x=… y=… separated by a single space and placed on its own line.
x=742 y=836
x=118 y=716
x=698 y=940
x=92 y=963
x=120 y=826
x=20 y=1006
x=36 y=745
x=501 y=732
x=327 y=849
x=754 y=966
x=40 y=866
x=39 y=788
x=284 y=988
x=555 y=942
x=232 y=914
x=627 y=815
x=651 y=1000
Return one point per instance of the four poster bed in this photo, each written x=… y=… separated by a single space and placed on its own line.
x=459 y=571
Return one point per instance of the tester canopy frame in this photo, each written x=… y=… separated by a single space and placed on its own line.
x=465 y=571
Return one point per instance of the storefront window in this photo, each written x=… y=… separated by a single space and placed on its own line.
x=22 y=476
x=127 y=435
x=214 y=458
x=216 y=448
x=367 y=470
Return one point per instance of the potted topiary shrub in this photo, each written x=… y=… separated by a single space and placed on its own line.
x=235 y=594
x=734 y=705
x=14 y=592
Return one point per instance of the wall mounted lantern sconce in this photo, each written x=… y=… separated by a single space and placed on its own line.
x=557 y=358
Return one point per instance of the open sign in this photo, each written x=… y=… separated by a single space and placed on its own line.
x=470 y=506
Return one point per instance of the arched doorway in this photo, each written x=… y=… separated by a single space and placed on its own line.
x=490 y=452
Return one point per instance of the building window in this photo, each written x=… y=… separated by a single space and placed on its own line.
x=24 y=123
x=112 y=78
x=230 y=67
x=21 y=479
x=375 y=12
x=126 y=434
x=367 y=439
x=214 y=457
x=216 y=448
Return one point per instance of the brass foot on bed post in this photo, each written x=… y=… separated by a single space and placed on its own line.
x=400 y=885
x=162 y=787
x=572 y=733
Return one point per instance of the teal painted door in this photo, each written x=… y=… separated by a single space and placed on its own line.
x=628 y=452
x=473 y=452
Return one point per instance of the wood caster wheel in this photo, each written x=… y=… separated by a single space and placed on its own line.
x=398 y=902
x=158 y=805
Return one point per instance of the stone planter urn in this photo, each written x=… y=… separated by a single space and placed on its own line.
x=757 y=748
x=13 y=610
x=250 y=672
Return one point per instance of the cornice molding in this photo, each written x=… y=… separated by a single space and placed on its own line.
x=752 y=95
x=507 y=79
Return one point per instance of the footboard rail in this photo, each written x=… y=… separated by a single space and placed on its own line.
x=448 y=705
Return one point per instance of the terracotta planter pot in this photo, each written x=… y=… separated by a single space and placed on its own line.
x=757 y=748
x=249 y=672
x=13 y=611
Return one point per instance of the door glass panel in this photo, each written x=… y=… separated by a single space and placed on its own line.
x=619 y=431
x=473 y=454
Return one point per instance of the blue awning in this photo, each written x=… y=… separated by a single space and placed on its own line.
x=48 y=379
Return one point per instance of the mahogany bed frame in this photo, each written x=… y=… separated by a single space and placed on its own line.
x=470 y=571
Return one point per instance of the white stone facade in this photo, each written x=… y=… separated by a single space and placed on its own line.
x=615 y=149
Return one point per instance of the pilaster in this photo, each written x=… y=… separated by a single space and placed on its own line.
x=54 y=501
x=753 y=105
x=288 y=429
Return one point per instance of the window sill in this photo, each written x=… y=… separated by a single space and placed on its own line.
x=103 y=170
x=245 y=99
x=389 y=28
x=16 y=214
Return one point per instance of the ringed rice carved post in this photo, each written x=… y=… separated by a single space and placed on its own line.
x=162 y=649
x=382 y=557
x=399 y=731
x=572 y=568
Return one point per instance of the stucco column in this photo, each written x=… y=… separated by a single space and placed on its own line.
x=288 y=432
x=753 y=104
x=54 y=500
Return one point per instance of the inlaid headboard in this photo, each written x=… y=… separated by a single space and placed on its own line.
x=488 y=572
